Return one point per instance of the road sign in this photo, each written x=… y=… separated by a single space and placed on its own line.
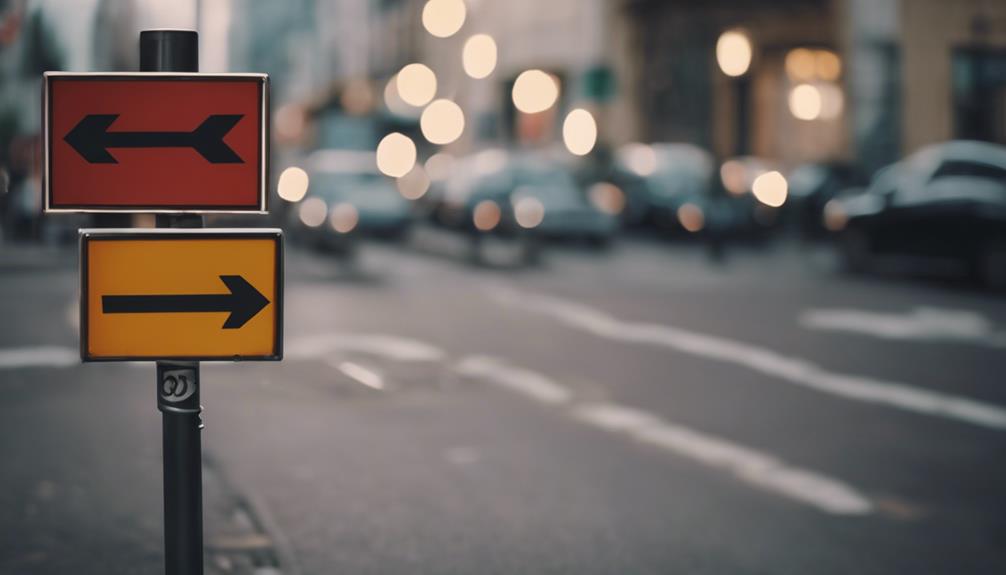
x=155 y=142
x=186 y=295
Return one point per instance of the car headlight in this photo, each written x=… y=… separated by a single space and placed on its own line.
x=343 y=217
x=528 y=211
x=692 y=217
x=312 y=212
x=486 y=215
x=607 y=198
x=834 y=217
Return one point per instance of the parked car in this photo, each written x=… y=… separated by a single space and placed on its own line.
x=811 y=187
x=514 y=194
x=945 y=202
x=348 y=198
x=676 y=180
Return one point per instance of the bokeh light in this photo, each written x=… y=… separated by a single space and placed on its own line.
x=443 y=18
x=414 y=184
x=691 y=217
x=827 y=65
x=607 y=198
x=579 y=132
x=442 y=122
x=479 y=56
x=396 y=154
x=293 y=183
x=290 y=123
x=343 y=217
x=733 y=53
x=528 y=211
x=800 y=64
x=312 y=212
x=733 y=174
x=416 y=84
x=486 y=215
x=534 y=91
x=834 y=217
x=805 y=102
x=439 y=166
x=832 y=101
x=770 y=189
x=640 y=158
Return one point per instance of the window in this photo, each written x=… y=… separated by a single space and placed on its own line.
x=953 y=168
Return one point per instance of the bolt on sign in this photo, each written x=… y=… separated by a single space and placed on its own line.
x=155 y=142
x=175 y=294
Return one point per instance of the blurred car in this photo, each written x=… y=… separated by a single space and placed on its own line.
x=946 y=202
x=347 y=198
x=675 y=180
x=758 y=193
x=517 y=194
x=811 y=187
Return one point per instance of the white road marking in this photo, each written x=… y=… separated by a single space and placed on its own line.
x=754 y=467
x=922 y=323
x=360 y=374
x=789 y=369
x=40 y=356
x=389 y=346
x=529 y=383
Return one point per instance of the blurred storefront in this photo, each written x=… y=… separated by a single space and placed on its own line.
x=740 y=77
x=866 y=81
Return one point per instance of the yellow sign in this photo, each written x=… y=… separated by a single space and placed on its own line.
x=181 y=295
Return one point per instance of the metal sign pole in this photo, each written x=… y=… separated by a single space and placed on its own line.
x=178 y=382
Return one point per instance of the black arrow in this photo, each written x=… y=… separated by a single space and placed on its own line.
x=91 y=138
x=243 y=302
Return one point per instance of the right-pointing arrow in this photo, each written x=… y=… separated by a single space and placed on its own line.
x=91 y=139
x=243 y=302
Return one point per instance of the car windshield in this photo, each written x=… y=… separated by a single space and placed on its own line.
x=341 y=185
x=553 y=185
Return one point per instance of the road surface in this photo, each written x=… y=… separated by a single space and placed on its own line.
x=634 y=411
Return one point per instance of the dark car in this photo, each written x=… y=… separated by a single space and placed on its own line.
x=676 y=180
x=348 y=198
x=945 y=202
x=811 y=187
x=522 y=195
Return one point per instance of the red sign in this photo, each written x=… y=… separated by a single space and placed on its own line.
x=155 y=142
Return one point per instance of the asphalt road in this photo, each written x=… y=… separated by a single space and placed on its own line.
x=636 y=411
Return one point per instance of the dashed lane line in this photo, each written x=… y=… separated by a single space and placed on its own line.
x=529 y=383
x=789 y=369
x=753 y=467
x=38 y=356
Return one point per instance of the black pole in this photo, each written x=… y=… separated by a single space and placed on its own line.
x=178 y=401
x=742 y=145
x=178 y=382
x=171 y=51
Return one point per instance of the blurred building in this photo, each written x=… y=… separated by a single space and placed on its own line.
x=860 y=80
x=771 y=88
x=954 y=70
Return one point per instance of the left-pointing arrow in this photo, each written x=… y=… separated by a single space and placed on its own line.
x=91 y=139
x=243 y=302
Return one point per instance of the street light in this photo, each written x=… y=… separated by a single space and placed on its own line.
x=733 y=54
